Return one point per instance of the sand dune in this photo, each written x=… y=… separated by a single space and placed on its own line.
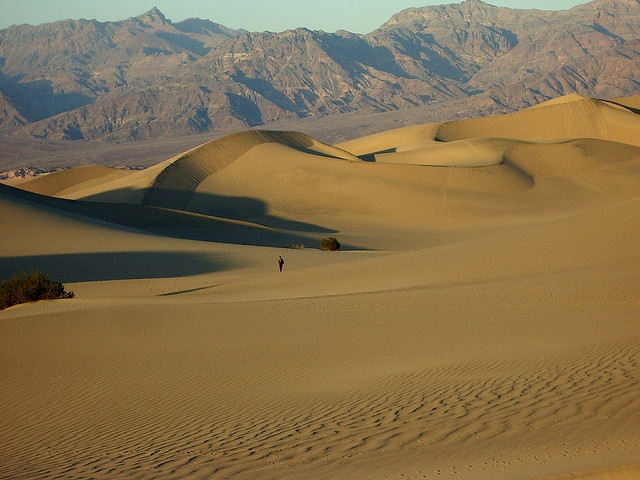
x=474 y=152
x=480 y=322
x=571 y=159
x=577 y=117
x=632 y=103
x=58 y=183
x=391 y=140
x=171 y=183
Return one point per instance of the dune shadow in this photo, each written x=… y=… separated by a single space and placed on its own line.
x=223 y=219
x=628 y=107
x=102 y=266
x=247 y=209
x=371 y=157
x=174 y=203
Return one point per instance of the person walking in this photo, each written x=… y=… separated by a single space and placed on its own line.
x=280 y=262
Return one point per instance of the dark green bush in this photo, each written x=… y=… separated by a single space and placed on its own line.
x=330 y=244
x=23 y=288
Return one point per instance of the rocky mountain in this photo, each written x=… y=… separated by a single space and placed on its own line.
x=147 y=77
x=27 y=172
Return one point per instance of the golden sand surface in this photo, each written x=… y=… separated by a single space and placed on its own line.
x=481 y=321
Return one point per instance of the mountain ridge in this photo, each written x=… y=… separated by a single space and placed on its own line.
x=148 y=77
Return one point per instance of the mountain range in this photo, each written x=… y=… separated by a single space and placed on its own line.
x=148 y=77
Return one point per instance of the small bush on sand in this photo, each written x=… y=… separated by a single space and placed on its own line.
x=330 y=244
x=23 y=288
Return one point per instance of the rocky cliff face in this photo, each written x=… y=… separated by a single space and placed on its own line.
x=148 y=77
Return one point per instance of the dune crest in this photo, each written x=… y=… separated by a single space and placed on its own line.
x=171 y=183
x=60 y=184
x=576 y=117
x=174 y=185
x=475 y=152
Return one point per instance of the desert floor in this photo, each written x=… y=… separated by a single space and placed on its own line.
x=482 y=320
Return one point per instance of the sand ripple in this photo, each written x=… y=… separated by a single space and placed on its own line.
x=464 y=404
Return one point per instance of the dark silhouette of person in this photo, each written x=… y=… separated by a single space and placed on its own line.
x=280 y=262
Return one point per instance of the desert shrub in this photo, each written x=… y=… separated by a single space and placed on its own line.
x=23 y=288
x=330 y=244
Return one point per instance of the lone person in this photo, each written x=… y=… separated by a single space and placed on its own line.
x=280 y=262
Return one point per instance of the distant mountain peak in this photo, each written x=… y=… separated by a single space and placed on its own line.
x=153 y=16
x=155 y=11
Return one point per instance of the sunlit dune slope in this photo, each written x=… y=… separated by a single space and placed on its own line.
x=485 y=141
x=176 y=183
x=573 y=117
x=65 y=182
x=632 y=103
x=474 y=152
x=570 y=158
x=358 y=197
x=404 y=138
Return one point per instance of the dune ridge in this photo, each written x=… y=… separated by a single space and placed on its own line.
x=480 y=321
x=184 y=173
x=574 y=117
x=170 y=183
x=73 y=179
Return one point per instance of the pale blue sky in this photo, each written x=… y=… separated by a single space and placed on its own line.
x=358 y=16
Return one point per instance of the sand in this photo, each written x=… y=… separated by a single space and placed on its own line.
x=480 y=321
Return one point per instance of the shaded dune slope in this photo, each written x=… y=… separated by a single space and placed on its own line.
x=147 y=217
x=68 y=241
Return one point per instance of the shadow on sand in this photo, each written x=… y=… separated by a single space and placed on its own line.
x=212 y=218
x=88 y=267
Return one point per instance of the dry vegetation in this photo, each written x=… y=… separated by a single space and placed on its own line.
x=30 y=287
